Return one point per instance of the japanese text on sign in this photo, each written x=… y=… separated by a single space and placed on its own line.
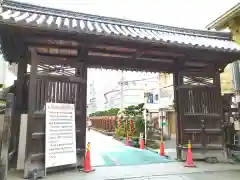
x=60 y=142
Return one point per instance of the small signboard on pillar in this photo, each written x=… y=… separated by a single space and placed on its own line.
x=60 y=140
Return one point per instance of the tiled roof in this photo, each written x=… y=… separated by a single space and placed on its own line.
x=220 y=22
x=54 y=19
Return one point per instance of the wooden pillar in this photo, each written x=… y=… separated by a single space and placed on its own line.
x=31 y=108
x=81 y=71
x=177 y=113
x=217 y=82
x=15 y=128
x=81 y=104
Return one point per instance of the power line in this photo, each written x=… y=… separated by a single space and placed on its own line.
x=122 y=85
x=114 y=89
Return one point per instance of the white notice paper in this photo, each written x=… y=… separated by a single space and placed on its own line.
x=60 y=140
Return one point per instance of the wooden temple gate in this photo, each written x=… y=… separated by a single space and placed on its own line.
x=200 y=114
x=56 y=82
x=60 y=45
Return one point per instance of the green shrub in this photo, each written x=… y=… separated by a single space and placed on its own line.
x=120 y=132
x=135 y=142
x=109 y=112
x=135 y=138
x=3 y=102
x=140 y=125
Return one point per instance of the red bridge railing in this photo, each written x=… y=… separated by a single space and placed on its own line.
x=106 y=123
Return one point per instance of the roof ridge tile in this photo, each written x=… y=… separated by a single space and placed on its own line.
x=23 y=14
x=10 y=4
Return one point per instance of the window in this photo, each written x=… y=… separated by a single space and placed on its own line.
x=150 y=98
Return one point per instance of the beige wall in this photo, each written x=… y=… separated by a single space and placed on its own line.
x=166 y=79
x=226 y=80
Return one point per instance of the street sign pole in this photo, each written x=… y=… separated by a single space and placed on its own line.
x=145 y=113
x=162 y=126
x=160 y=112
x=146 y=116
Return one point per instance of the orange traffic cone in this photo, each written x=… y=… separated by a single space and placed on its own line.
x=87 y=162
x=141 y=143
x=162 y=153
x=189 y=160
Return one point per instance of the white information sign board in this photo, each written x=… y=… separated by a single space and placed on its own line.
x=60 y=141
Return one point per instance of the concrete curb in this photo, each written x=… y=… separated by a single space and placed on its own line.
x=152 y=150
x=103 y=132
x=124 y=140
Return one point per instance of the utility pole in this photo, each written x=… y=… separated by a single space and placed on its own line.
x=145 y=112
x=159 y=103
x=94 y=103
x=121 y=91
x=160 y=117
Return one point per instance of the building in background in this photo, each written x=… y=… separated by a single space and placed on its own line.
x=3 y=71
x=92 y=103
x=8 y=73
x=134 y=91
x=166 y=90
x=227 y=80
x=230 y=21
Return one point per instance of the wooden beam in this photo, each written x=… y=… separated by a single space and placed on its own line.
x=111 y=61
x=46 y=45
x=205 y=53
x=59 y=56
x=112 y=52
x=50 y=60
x=132 y=56
x=127 y=63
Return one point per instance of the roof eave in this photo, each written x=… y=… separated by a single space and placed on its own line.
x=222 y=21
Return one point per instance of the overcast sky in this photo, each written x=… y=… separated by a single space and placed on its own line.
x=183 y=13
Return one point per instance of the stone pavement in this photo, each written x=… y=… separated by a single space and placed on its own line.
x=106 y=151
x=169 y=148
x=162 y=171
x=100 y=143
x=168 y=171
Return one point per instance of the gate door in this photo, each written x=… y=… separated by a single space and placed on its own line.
x=200 y=112
x=57 y=84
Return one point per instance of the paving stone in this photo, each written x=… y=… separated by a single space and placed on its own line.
x=162 y=171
